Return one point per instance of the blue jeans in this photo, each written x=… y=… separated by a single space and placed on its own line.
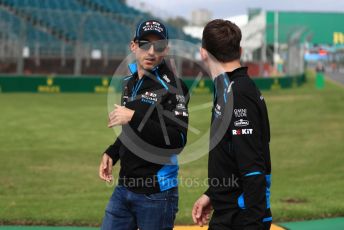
x=127 y=210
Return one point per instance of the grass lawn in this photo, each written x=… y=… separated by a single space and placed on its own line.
x=50 y=147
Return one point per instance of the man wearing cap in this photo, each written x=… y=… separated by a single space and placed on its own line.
x=154 y=119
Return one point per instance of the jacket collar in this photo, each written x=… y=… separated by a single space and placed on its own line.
x=239 y=72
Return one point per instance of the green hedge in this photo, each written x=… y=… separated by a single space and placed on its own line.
x=98 y=84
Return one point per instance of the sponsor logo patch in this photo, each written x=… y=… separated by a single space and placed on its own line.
x=149 y=97
x=180 y=98
x=240 y=113
x=241 y=123
x=153 y=26
x=180 y=106
x=217 y=111
x=237 y=132
x=150 y=94
x=166 y=78
x=181 y=113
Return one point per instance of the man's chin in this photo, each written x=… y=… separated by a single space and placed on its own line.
x=149 y=66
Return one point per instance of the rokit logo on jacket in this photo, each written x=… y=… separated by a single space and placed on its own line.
x=181 y=113
x=237 y=132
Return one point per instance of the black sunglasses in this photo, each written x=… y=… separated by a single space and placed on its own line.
x=159 y=46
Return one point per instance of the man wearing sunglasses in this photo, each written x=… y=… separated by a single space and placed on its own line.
x=154 y=120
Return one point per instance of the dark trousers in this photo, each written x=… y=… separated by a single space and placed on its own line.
x=232 y=219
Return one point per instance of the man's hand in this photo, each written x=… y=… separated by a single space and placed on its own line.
x=120 y=116
x=105 y=168
x=201 y=210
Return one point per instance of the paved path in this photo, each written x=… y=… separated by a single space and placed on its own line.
x=324 y=224
x=336 y=77
x=274 y=227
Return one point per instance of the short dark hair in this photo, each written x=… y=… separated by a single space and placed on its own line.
x=221 y=38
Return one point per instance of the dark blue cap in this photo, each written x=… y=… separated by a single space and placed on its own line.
x=151 y=27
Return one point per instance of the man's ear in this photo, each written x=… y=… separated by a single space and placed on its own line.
x=241 y=51
x=204 y=54
x=133 y=46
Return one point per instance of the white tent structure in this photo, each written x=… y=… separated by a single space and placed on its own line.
x=253 y=36
x=253 y=32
